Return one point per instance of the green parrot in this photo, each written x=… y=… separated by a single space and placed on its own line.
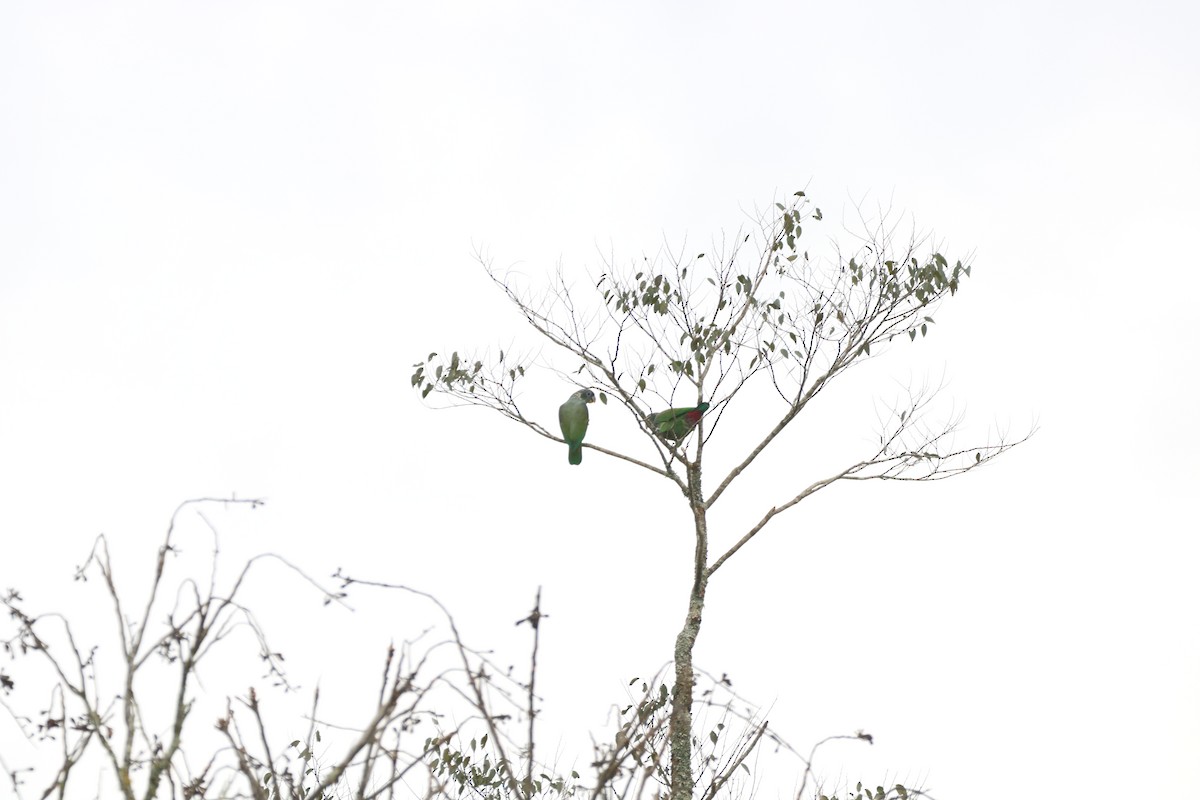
x=676 y=423
x=573 y=419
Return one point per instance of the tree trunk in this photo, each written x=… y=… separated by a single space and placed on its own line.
x=682 y=782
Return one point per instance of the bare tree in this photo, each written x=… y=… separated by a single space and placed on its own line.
x=447 y=720
x=440 y=720
x=714 y=328
x=85 y=713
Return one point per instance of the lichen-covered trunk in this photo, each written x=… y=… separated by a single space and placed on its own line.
x=682 y=782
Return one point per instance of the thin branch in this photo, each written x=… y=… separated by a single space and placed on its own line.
x=775 y=510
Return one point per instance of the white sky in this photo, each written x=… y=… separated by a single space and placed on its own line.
x=227 y=230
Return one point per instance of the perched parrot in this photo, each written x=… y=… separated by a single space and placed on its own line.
x=676 y=423
x=573 y=419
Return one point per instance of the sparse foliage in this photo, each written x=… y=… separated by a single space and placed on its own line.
x=710 y=327
x=408 y=743
x=446 y=722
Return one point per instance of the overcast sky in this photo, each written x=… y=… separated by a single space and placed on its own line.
x=227 y=231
